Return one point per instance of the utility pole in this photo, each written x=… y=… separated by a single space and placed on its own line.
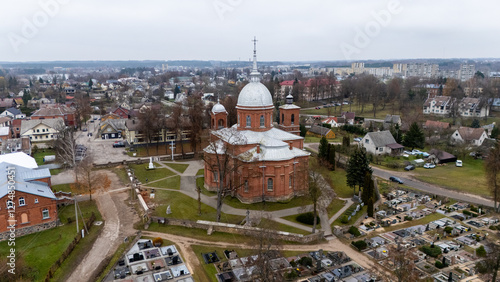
x=172 y=147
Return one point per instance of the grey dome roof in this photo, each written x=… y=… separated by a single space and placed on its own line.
x=218 y=108
x=255 y=94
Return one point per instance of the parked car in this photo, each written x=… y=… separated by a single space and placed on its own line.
x=317 y=108
x=118 y=144
x=358 y=139
x=458 y=163
x=409 y=167
x=84 y=129
x=416 y=152
x=396 y=179
x=425 y=154
x=429 y=165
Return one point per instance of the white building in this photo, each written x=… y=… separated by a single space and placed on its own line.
x=473 y=107
x=41 y=130
x=380 y=143
x=440 y=105
x=468 y=135
x=13 y=113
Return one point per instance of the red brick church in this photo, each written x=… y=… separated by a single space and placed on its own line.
x=264 y=163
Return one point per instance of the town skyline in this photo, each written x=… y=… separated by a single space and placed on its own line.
x=379 y=30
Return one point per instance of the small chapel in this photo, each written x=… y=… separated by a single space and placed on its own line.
x=255 y=160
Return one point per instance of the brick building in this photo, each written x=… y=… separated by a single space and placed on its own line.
x=56 y=111
x=34 y=205
x=268 y=164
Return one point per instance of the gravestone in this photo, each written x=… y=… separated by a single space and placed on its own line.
x=151 y=166
x=169 y=211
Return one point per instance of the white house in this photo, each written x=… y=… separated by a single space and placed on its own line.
x=473 y=107
x=468 y=135
x=331 y=121
x=440 y=105
x=13 y=113
x=41 y=130
x=380 y=143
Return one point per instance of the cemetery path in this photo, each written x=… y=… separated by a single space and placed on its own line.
x=341 y=211
x=332 y=245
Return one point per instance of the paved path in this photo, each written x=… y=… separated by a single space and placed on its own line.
x=341 y=211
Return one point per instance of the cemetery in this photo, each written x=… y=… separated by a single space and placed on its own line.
x=147 y=261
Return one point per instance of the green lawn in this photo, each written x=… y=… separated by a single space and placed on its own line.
x=177 y=167
x=340 y=187
x=201 y=172
x=173 y=182
x=348 y=212
x=200 y=234
x=185 y=207
x=122 y=174
x=50 y=244
x=142 y=173
x=62 y=187
x=334 y=207
x=367 y=111
x=469 y=178
x=56 y=171
x=42 y=153
x=293 y=218
x=200 y=181
x=268 y=206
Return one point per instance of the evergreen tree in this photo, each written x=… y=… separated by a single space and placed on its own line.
x=40 y=80
x=331 y=156
x=91 y=83
x=397 y=134
x=346 y=141
x=369 y=207
x=415 y=137
x=368 y=188
x=26 y=97
x=475 y=123
x=303 y=130
x=357 y=167
x=323 y=148
x=495 y=132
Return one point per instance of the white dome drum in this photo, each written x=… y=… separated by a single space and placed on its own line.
x=255 y=94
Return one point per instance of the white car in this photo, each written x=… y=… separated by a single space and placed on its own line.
x=429 y=165
x=458 y=163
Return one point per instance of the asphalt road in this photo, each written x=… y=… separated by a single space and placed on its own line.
x=425 y=187
x=431 y=189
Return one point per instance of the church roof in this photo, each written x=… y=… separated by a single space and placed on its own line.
x=218 y=108
x=266 y=153
x=255 y=94
x=242 y=137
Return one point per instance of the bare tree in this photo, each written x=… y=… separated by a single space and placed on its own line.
x=148 y=122
x=195 y=112
x=177 y=125
x=65 y=145
x=268 y=247
x=82 y=109
x=90 y=180
x=402 y=260
x=221 y=160
x=491 y=265
x=492 y=168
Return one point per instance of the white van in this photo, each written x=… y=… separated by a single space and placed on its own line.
x=458 y=163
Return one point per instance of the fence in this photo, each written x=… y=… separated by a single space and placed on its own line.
x=68 y=250
x=238 y=229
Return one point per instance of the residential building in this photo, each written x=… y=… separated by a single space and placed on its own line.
x=320 y=131
x=5 y=121
x=473 y=107
x=16 y=145
x=112 y=128
x=13 y=112
x=380 y=143
x=436 y=125
x=34 y=203
x=349 y=117
x=6 y=103
x=271 y=161
x=468 y=135
x=54 y=112
x=41 y=130
x=466 y=72
x=440 y=105
x=391 y=120
x=332 y=121
x=122 y=112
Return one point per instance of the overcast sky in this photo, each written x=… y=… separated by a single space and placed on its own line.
x=223 y=29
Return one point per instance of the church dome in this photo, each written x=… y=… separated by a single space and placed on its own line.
x=218 y=108
x=255 y=94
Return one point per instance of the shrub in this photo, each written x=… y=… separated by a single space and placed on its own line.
x=354 y=231
x=439 y=264
x=157 y=241
x=306 y=261
x=292 y=275
x=293 y=263
x=481 y=252
x=360 y=245
x=408 y=218
x=307 y=218
x=448 y=229
x=393 y=164
x=432 y=251
x=344 y=219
